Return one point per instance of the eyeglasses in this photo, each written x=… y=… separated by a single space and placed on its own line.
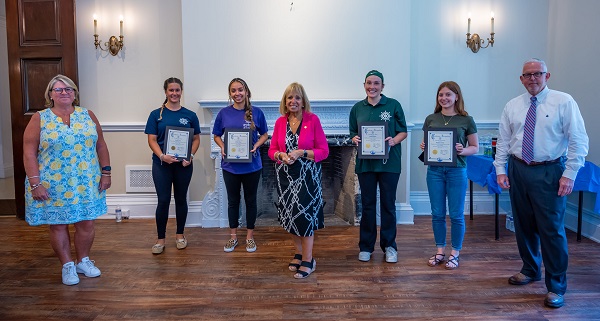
x=68 y=90
x=534 y=74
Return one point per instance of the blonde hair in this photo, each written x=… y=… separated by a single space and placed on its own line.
x=298 y=89
x=65 y=80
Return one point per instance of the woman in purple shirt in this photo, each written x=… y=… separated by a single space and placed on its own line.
x=241 y=114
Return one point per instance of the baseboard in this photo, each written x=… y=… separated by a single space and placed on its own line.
x=483 y=204
x=144 y=206
x=7 y=171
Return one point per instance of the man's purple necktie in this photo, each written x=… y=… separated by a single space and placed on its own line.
x=529 y=132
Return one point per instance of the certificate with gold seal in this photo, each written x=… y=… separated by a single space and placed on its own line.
x=178 y=142
x=237 y=145
x=372 y=140
x=440 y=146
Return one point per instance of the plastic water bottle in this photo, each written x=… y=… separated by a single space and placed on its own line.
x=510 y=223
x=486 y=144
x=118 y=213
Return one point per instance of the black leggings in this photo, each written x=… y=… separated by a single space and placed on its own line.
x=165 y=176
x=233 y=183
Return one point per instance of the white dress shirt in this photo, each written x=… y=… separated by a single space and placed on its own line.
x=559 y=131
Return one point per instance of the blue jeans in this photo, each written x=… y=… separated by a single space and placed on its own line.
x=451 y=182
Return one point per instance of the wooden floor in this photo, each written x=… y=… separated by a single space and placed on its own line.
x=204 y=283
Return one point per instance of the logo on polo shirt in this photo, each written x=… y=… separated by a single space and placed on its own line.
x=183 y=121
x=385 y=115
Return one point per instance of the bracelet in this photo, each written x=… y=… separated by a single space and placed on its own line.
x=30 y=177
x=34 y=186
x=160 y=157
x=276 y=156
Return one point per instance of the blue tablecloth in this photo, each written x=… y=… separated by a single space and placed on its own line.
x=481 y=170
x=588 y=180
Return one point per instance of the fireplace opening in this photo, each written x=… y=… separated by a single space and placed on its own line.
x=339 y=182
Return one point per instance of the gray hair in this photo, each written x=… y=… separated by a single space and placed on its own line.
x=539 y=61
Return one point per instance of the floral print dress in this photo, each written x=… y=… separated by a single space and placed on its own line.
x=69 y=170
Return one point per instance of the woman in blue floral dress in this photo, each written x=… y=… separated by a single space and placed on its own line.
x=68 y=171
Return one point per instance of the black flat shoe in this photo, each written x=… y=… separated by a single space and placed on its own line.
x=437 y=259
x=302 y=274
x=294 y=266
x=554 y=300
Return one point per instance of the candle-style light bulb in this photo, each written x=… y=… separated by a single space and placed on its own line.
x=95 y=24
x=492 y=21
x=121 y=25
x=469 y=24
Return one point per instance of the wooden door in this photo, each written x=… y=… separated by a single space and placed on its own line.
x=41 y=38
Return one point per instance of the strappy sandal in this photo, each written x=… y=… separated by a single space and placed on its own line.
x=452 y=262
x=434 y=260
x=294 y=266
x=302 y=274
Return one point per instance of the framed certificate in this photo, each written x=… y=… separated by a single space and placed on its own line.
x=178 y=142
x=237 y=145
x=372 y=140
x=440 y=147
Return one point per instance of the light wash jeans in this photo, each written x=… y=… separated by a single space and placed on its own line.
x=451 y=182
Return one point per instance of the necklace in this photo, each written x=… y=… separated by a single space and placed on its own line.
x=444 y=117
x=293 y=123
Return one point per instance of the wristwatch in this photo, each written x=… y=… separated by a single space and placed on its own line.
x=305 y=154
x=106 y=168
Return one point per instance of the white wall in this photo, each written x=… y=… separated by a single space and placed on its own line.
x=328 y=46
x=573 y=63
x=126 y=87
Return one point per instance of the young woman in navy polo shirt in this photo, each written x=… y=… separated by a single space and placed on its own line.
x=167 y=170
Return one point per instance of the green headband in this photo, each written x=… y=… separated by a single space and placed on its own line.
x=374 y=73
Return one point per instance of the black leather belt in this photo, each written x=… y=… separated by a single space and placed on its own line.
x=537 y=163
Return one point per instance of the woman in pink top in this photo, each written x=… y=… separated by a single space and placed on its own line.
x=298 y=145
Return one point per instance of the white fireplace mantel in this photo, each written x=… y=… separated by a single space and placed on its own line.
x=334 y=116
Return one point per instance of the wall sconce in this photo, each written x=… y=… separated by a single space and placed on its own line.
x=475 y=42
x=112 y=45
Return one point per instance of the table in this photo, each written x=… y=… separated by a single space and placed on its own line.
x=588 y=180
x=481 y=170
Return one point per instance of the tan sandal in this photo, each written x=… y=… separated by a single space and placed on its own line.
x=158 y=248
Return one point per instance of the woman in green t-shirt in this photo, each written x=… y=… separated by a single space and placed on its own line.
x=446 y=181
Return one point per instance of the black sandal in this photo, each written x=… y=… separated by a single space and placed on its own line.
x=433 y=261
x=302 y=274
x=452 y=262
x=294 y=266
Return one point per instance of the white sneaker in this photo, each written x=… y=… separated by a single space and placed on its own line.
x=69 y=276
x=87 y=267
x=364 y=256
x=391 y=255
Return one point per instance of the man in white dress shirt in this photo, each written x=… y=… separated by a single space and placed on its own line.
x=544 y=150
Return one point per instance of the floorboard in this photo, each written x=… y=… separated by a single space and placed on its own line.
x=204 y=283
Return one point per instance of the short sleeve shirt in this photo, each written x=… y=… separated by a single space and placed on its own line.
x=179 y=118
x=465 y=126
x=390 y=111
